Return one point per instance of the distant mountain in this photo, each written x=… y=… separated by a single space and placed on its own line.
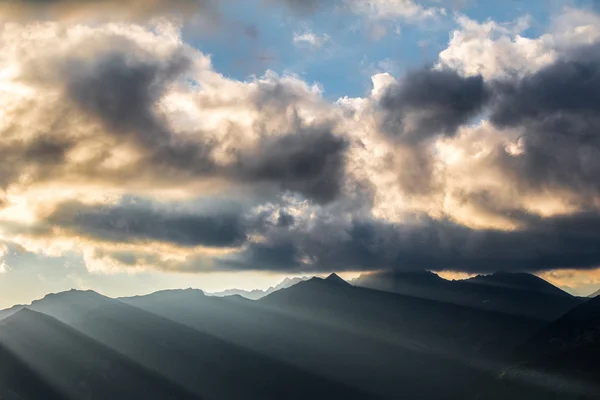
x=377 y=342
x=259 y=294
x=518 y=294
x=252 y=295
x=195 y=361
x=559 y=362
x=595 y=294
x=76 y=366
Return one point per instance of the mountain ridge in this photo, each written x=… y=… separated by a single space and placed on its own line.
x=519 y=294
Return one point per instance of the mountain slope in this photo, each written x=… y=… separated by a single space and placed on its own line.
x=199 y=362
x=595 y=294
x=516 y=294
x=77 y=365
x=19 y=382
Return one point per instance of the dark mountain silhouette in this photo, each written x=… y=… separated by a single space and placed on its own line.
x=77 y=366
x=258 y=294
x=559 y=362
x=200 y=363
x=382 y=343
x=517 y=294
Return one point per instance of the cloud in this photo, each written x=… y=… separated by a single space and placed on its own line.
x=429 y=102
x=132 y=222
x=425 y=105
x=560 y=242
x=310 y=39
x=555 y=111
x=383 y=16
x=499 y=50
x=564 y=87
x=408 y=10
x=4 y=251
x=308 y=161
x=73 y=9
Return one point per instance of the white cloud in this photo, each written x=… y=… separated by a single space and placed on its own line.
x=408 y=10
x=311 y=39
x=497 y=50
x=4 y=250
x=4 y=268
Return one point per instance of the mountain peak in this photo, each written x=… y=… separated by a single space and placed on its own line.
x=89 y=294
x=336 y=279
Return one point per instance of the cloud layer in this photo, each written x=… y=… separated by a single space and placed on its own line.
x=124 y=144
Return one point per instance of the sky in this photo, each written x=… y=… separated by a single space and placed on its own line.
x=156 y=144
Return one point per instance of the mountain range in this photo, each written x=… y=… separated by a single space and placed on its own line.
x=315 y=339
x=257 y=293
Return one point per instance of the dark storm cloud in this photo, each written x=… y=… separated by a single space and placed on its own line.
x=429 y=102
x=568 y=87
x=542 y=244
x=545 y=244
x=122 y=92
x=310 y=162
x=285 y=220
x=130 y=222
